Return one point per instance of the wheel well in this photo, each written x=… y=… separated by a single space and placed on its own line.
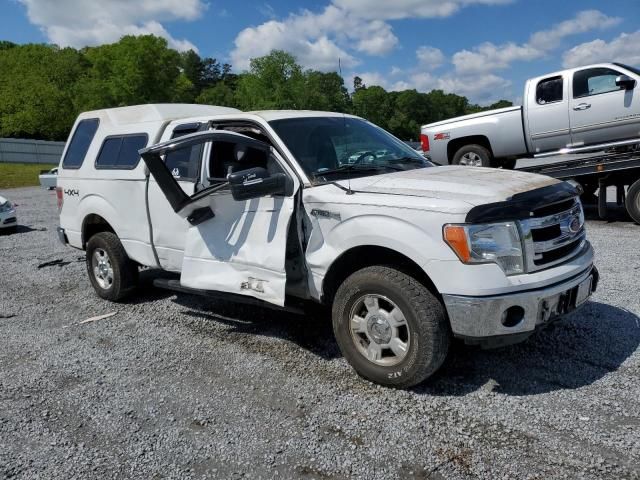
x=357 y=258
x=93 y=224
x=454 y=145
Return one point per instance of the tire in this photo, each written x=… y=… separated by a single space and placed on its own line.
x=116 y=276
x=633 y=201
x=423 y=329
x=472 y=156
x=509 y=164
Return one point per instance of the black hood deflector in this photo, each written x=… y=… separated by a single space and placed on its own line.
x=522 y=205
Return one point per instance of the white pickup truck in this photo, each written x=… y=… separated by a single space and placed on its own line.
x=275 y=207
x=583 y=109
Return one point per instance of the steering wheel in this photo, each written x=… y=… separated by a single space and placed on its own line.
x=362 y=156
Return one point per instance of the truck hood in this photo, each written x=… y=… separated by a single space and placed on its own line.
x=472 y=185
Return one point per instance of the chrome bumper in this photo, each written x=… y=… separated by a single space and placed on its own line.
x=62 y=236
x=504 y=319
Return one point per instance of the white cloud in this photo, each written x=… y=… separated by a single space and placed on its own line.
x=346 y=27
x=583 y=22
x=488 y=57
x=398 y=9
x=429 y=57
x=620 y=49
x=93 y=22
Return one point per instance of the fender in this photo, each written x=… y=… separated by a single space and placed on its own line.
x=330 y=239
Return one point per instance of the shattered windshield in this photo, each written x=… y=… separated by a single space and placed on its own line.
x=334 y=148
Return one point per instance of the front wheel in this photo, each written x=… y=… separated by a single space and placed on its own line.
x=390 y=327
x=633 y=201
x=472 y=156
x=112 y=274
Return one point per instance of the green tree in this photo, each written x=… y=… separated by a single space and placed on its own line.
x=325 y=91
x=220 y=94
x=273 y=81
x=374 y=104
x=37 y=84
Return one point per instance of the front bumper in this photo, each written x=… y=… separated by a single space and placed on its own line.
x=505 y=319
x=8 y=219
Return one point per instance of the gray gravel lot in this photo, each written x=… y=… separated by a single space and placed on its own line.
x=175 y=386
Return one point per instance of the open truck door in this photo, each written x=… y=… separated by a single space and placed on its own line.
x=238 y=223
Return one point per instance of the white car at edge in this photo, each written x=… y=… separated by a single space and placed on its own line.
x=8 y=217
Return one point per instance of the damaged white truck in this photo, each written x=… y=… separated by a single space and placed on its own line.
x=286 y=208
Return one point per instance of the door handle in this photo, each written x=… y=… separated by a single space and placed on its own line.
x=582 y=106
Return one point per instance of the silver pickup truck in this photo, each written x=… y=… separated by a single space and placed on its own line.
x=583 y=109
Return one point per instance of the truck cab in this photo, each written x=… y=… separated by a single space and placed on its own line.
x=291 y=208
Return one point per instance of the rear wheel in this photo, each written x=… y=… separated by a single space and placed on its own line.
x=112 y=274
x=633 y=201
x=472 y=156
x=390 y=327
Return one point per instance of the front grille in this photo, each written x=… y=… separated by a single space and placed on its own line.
x=553 y=235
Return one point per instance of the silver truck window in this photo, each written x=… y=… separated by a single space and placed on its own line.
x=80 y=142
x=120 y=152
x=594 y=81
x=549 y=90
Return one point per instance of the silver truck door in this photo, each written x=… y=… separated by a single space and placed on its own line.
x=602 y=109
x=548 y=115
x=236 y=238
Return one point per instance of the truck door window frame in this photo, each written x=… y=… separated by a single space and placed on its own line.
x=583 y=76
x=177 y=198
x=555 y=78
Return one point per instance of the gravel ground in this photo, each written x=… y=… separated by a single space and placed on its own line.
x=174 y=386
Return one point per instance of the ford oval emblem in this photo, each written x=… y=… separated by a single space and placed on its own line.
x=574 y=225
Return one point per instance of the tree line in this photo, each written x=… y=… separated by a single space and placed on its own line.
x=44 y=87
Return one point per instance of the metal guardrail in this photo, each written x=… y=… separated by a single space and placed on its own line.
x=16 y=150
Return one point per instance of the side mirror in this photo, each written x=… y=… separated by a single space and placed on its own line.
x=626 y=82
x=256 y=183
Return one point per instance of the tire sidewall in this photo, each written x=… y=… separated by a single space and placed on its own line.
x=633 y=201
x=419 y=349
x=99 y=241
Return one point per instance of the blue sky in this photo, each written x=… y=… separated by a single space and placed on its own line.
x=483 y=49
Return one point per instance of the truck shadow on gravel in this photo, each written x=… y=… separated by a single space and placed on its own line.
x=569 y=354
x=312 y=332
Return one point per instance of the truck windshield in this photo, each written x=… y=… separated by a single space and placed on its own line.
x=634 y=70
x=334 y=148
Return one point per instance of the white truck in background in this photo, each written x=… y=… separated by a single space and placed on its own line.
x=286 y=208
x=583 y=109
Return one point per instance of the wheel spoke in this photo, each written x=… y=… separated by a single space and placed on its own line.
x=398 y=347
x=374 y=352
x=396 y=318
x=358 y=324
x=96 y=272
x=371 y=304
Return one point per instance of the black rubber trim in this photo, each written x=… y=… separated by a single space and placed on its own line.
x=152 y=157
x=522 y=205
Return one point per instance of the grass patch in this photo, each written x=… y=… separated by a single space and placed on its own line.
x=14 y=175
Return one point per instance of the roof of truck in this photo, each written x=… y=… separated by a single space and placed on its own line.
x=156 y=112
x=270 y=115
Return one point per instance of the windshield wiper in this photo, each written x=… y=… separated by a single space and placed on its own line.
x=357 y=167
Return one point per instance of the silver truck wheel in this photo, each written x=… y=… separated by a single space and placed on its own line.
x=472 y=156
x=379 y=330
x=471 y=159
x=102 y=269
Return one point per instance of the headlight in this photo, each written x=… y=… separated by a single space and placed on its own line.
x=5 y=207
x=487 y=243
